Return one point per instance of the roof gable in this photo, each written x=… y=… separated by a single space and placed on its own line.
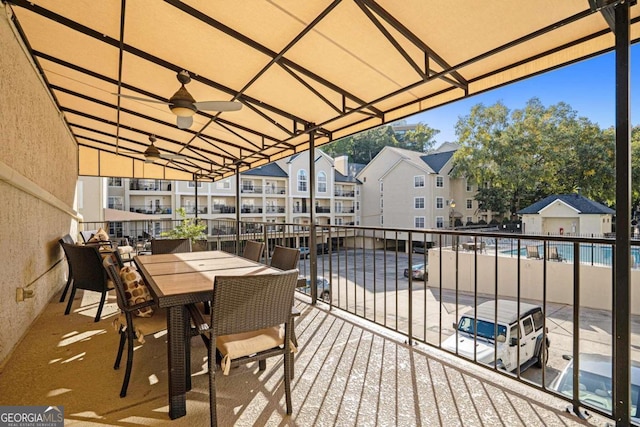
x=576 y=201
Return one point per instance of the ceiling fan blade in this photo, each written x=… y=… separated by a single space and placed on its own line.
x=138 y=98
x=172 y=156
x=184 y=122
x=218 y=105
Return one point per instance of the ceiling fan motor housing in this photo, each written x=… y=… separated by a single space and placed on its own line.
x=181 y=103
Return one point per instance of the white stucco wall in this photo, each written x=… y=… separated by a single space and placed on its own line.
x=38 y=173
x=595 y=282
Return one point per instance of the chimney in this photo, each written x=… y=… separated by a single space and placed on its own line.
x=341 y=164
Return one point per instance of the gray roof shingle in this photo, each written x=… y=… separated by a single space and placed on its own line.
x=577 y=201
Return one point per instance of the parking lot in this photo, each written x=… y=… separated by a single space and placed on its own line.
x=372 y=285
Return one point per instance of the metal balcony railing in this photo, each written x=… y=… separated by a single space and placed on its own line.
x=419 y=283
x=158 y=210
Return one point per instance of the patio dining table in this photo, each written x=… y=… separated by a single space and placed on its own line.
x=175 y=281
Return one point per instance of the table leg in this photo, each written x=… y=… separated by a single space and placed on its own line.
x=176 y=318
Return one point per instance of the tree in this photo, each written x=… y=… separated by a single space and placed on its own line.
x=188 y=228
x=531 y=153
x=364 y=146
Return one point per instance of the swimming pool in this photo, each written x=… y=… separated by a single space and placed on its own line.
x=590 y=253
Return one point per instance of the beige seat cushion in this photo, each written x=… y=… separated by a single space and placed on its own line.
x=248 y=343
x=126 y=249
x=135 y=290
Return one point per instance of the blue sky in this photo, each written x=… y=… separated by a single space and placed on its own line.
x=588 y=87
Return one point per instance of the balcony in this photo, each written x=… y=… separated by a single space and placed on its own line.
x=323 y=209
x=355 y=347
x=344 y=193
x=223 y=209
x=340 y=359
x=149 y=185
x=158 y=210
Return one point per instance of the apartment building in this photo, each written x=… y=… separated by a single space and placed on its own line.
x=275 y=193
x=408 y=189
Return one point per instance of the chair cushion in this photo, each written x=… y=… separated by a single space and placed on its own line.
x=100 y=236
x=123 y=250
x=135 y=290
x=247 y=343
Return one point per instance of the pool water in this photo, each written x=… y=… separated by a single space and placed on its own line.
x=589 y=253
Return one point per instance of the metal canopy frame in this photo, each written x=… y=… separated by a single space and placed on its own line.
x=410 y=66
x=308 y=73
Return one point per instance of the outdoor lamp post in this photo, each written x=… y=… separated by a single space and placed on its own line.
x=452 y=204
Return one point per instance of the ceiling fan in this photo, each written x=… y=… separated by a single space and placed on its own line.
x=184 y=106
x=152 y=153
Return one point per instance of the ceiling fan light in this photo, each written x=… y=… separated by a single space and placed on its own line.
x=182 y=111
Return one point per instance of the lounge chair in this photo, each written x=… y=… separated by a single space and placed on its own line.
x=553 y=254
x=533 y=253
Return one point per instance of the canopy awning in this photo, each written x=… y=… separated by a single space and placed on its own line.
x=327 y=68
x=118 y=215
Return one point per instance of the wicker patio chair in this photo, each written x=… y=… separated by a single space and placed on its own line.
x=133 y=327
x=247 y=317
x=253 y=250
x=285 y=258
x=170 y=246
x=86 y=272
x=66 y=239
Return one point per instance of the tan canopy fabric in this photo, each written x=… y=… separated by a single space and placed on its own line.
x=118 y=215
x=327 y=68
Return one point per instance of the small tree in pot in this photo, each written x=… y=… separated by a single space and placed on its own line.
x=188 y=228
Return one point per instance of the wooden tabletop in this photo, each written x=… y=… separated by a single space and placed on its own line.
x=177 y=279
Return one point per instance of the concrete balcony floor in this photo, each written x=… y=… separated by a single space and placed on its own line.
x=348 y=373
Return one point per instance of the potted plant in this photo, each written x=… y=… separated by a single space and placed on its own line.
x=189 y=228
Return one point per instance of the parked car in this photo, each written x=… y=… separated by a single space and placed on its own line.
x=322 y=248
x=419 y=272
x=305 y=252
x=532 y=348
x=595 y=383
x=323 y=286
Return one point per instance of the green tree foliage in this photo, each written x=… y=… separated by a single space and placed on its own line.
x=523 y=155
x=364 y=146
x=635 y=165
x=188 y=228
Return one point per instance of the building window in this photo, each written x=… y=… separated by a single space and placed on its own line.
x=469 y=203
x=114 y=182
x=115 y=229
x=191 y=184
x=322 y=182
x=381 y=186
x=338 y=221
x=418 y=221
x=418 y=202
x=469 y=187
x=247 y=186
x=357 y=205
x=338 y=207
x=115 y=202
x=469 y=219
x=439 y=222
x=418 y=181
x=439 y=181
x=224 y=184
x=381 y=203
x=302 y=180
x=439 y=203
x=381 y=220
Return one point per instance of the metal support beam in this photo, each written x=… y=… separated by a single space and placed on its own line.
x=238 y=208
x=313 y=248
x=622 y=283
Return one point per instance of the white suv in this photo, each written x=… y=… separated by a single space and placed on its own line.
x=533 y=350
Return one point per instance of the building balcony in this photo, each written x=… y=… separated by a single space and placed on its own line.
x=157 y=210
x=223 y=209
x=149 y=185
x=343 y=193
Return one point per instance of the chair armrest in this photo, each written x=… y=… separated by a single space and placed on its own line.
x=135 y=307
